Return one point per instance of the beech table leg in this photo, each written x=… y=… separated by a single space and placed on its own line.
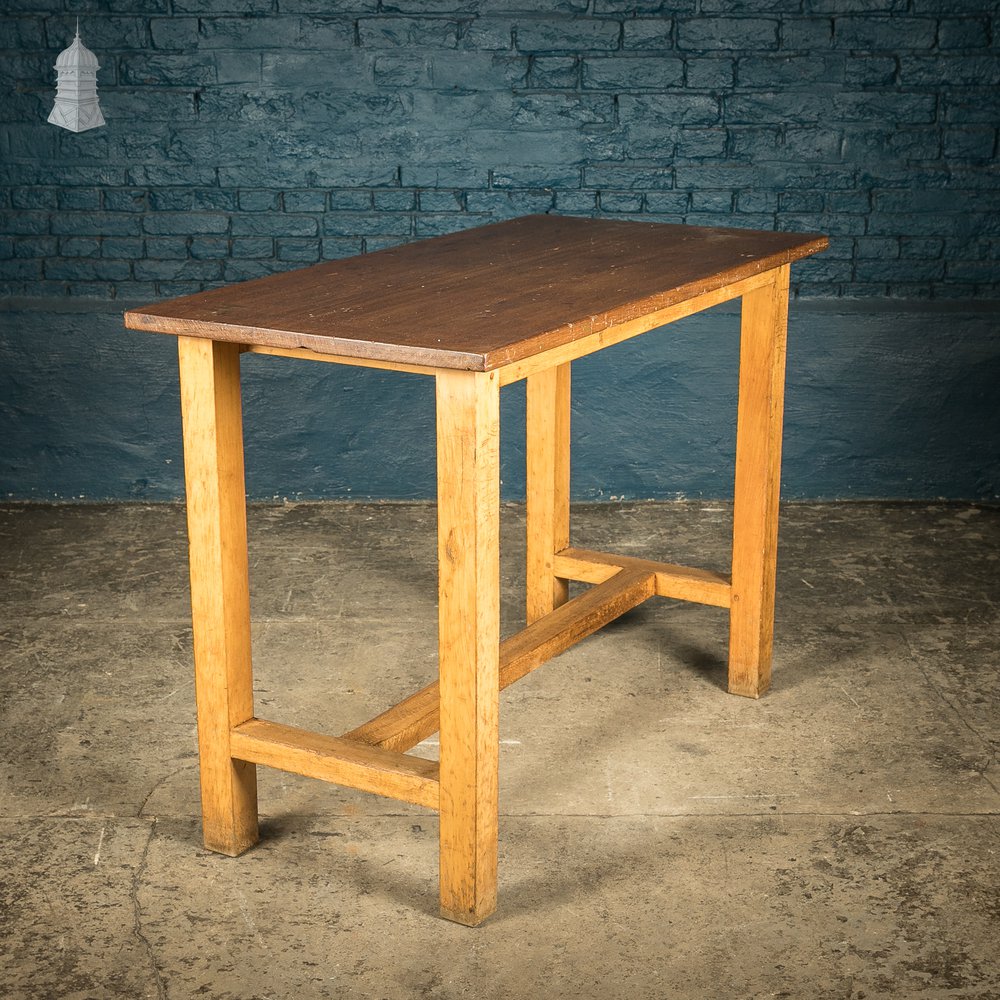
x=468 y=457
x=758 y=468
x=220 y=601
x=548 y=416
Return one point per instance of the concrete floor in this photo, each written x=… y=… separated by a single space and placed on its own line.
x=659 y=838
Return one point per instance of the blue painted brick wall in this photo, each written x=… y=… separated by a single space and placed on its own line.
x=244 y=138
x=247 y=137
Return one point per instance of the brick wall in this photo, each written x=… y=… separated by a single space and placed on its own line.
x=247 y=137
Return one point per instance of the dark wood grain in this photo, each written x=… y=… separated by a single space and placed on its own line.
x=481 y=298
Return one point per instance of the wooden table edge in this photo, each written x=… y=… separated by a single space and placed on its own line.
x=362 y=350
x=146 y=318
x=640 y=308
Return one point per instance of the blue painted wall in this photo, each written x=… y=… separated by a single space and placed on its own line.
x=244 y=138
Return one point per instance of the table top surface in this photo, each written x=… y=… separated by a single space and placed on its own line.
x=481 y=298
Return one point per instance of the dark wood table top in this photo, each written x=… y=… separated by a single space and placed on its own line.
x=481 y=298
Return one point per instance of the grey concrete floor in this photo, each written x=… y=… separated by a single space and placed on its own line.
x=659 y=838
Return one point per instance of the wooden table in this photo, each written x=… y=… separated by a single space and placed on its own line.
x=476 y=310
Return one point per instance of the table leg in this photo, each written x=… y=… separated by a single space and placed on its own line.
x=468 y=489
x=220 y=601
x=547 y=437
x=758 y=468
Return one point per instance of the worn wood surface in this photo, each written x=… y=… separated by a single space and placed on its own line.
x=415 y=718
x=468 y=487
x=755 y=499
x=562 y=354
x=573 y=621
x=343 y=762
x=220 y=594
x=482 y=298
x=681 y=583
x=302 y=354
x=479 y=310
x=547 y=478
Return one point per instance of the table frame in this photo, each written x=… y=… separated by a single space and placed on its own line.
x=474 y=665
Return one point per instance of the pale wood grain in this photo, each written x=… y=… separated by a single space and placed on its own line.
x=305 y=355
x=681 y=583
x=478 y=310
x=405 y=724
x=547 y=478
x=575 y=620
x=758 y=471
x=343 y=762
x=415 y=718
x=220 y=599
x=468 y=487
